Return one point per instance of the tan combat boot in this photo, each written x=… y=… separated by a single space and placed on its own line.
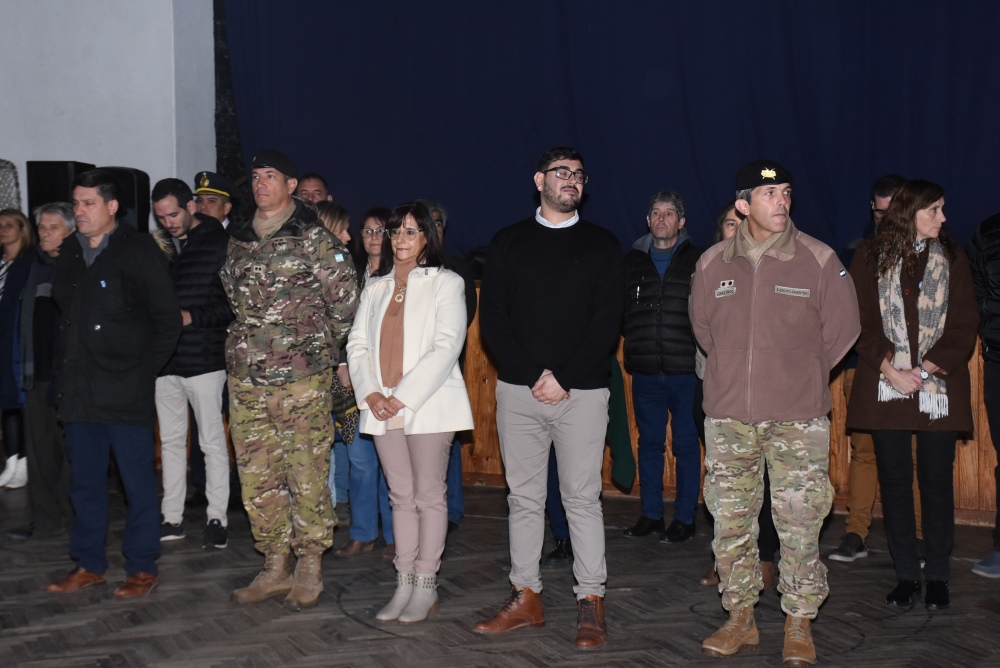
x=799 y=651
x=740 y=632
x=275 y=579
x=307 y=584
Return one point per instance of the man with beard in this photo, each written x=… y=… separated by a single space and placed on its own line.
x=550 y=311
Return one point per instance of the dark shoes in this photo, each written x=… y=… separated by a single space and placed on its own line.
x=710 y=578
x=523 y=608
x=563 y=553
x=30 y=532
x=170 y=531
x=354 y=547
x=136 y=584
x=678 y=532
x=78 y=578
x=903 y=596
x=937 y=597
x=215 y=535
x=389 y=553
x=644 y=527
x=851 y=547
x=591 y=630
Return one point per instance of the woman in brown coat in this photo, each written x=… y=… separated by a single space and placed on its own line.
x=918 y=329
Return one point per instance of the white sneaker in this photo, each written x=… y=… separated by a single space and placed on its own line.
x=20 y=477
x=8 y=471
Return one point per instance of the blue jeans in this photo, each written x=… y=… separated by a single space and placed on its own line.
x=553 y=502
x=456 y=497
x=655 y=399
x=369 y=492
x=89 y=446
x=339 y=478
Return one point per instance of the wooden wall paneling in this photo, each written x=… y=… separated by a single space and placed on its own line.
x=975 y=489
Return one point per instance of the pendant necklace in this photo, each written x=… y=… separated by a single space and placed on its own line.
x=402 y=291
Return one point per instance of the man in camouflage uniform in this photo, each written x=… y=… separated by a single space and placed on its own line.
x=293 y=289
x=775 y=310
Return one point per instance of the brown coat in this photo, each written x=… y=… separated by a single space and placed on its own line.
x=951 y=352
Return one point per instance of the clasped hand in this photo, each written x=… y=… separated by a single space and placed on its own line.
x=548 y=390
x=383 y=407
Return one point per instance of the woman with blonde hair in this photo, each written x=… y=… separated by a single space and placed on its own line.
x=335 y=218
x=17 y=237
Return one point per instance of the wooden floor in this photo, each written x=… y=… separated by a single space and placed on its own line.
x=657 y=613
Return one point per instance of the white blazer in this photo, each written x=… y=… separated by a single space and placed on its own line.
x=434 y=328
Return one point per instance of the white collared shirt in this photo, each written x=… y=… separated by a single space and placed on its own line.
x=566 y=223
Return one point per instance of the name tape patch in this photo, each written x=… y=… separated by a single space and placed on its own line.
x=791 y=292
x=726 y=288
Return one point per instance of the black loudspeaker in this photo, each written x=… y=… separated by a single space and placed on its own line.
x=49 y=181
x=135 y=196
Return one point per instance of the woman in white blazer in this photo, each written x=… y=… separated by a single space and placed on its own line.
x=403 y=357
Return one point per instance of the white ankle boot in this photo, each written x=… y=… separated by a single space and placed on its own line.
x=8 y=470
x=20 y=477
x=423 y=603
x=404 y=589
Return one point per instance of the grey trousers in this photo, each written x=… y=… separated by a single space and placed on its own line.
x=577 y=427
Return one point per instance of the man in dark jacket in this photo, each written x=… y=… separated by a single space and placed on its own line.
x=984 y=260
x=119 y=323
x=659 y=353
x=197 y=371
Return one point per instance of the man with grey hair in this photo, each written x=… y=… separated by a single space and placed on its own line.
x=45 y=446
x=456 y=497
x=659 y=353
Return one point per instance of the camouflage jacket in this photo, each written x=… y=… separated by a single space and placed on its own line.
x=293 y=294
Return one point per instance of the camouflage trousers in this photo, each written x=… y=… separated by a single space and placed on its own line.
x=797 y=455
x=282 y=437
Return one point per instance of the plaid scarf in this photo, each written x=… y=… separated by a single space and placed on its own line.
x=932 y=309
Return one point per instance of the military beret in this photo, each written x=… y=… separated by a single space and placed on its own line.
x=760 y=173
x=268 y=157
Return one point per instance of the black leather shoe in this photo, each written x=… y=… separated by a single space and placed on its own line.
x=644 y=527
x=937 y=597
x=903 y=596
x=678 y=532
x=562 y=554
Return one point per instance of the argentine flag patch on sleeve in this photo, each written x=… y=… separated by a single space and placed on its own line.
x=843 y=272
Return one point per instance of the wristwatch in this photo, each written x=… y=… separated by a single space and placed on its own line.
x=923 y=373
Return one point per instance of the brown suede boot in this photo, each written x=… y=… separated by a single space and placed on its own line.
x=740 y=632
x=522 y=608
x=275 y=579
x=307 y=584
x=799 y=651
x=591 y=630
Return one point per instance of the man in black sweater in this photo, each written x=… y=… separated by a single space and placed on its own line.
x=659 y=353
x=550 y=311
x=196 y=372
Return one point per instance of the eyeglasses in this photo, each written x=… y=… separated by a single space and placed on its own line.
x=408 y=231
x=373 y=231
x=566 y=174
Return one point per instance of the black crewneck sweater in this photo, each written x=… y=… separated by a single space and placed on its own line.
x=552 y=298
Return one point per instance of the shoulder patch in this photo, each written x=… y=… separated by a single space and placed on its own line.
x=843 y=272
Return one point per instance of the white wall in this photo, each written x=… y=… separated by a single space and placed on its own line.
x=109 y=82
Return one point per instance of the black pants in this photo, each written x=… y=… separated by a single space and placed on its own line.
x=13 y=432
x=991 y=397
x=48 y=467
x=935 y=471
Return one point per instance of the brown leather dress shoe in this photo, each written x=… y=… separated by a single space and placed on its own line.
x=389 y=553
x=78 y=578
x=591 y=631
x=354 y=548
x=522 y=608
x=137 y=584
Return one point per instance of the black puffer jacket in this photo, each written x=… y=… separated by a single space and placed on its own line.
x=658 y=337
x=195 y=272
x=984 y=260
